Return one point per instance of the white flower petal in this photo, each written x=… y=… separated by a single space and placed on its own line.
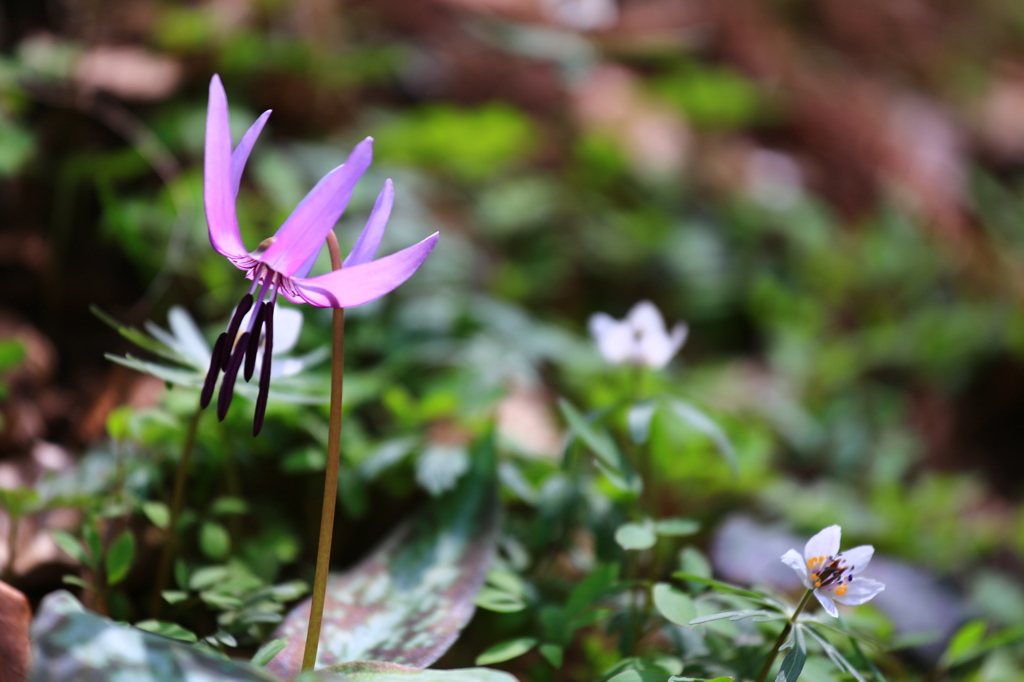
x=678 y=336
x=646 y=320
x=825 y=543
x=654 y=351
x=825 y=598
x=859 y=591
x=793 y=559
x=614 y=339
x=600 y=323
x=185 y=330
x=658 y=348
x=858 y=558
x=287 y=327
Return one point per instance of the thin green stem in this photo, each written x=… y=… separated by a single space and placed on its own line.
x=177 y=499
x=783 y=636
x=323 y=554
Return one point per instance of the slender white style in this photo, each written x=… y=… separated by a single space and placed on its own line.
x=833 y=575
x=640 y=339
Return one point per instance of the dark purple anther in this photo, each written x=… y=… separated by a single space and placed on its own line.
x=227 y=387
x=261 y=399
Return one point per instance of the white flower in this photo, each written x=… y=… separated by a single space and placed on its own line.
x=831 y=573
x=640 y=339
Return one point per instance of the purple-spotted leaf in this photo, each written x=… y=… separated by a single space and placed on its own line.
x=377 y=671
x=71 y=643
x=407 y=601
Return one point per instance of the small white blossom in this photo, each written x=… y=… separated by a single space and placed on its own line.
x=833 y=574
x=640 y=339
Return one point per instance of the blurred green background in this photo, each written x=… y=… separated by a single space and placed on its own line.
x=830 y=193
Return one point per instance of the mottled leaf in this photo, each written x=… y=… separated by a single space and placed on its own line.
x=73 y=644
x=378 y=671
x=407 y=602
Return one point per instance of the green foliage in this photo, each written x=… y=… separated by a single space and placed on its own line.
x=471 y=145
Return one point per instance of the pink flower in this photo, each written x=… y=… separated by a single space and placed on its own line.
x=280 y=264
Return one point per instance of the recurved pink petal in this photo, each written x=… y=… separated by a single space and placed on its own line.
x=218 y=191
x=241 y=153
x=306 y=228
x=369 y=240
x=363 y=283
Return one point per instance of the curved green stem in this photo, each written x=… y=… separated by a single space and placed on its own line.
x=323 y=554
x=177 y=499
x=783 y=636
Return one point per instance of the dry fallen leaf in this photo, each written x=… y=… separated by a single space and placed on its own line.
x=15 y=651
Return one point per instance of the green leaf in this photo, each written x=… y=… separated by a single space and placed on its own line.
x=207 y=576
x=676 y=527
x=673 y=604
x=837 y=658
x=165 y=629
x=119 y=421
x=91 y=539
x=610 y=459
x=699 y=421
x=601 y=582
x=501 y=602
x=266 y=652
x=119 y=557
x=71 y=546
x=793 y=663
x=74 y=644
x=636 y=536
x=759 y=616
x=12 y=352
x=639 y=676
x=471 y=144
x=552 y=653
x=638 y=419
x=76 y=581
x=720 y=586
x=174 y=596
x=961 y=646
x=18 y=501
x=225 y=506
x=506 y=650
x=379 y=671
x=407 y=601
x=214 y=540
x=158 y=513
